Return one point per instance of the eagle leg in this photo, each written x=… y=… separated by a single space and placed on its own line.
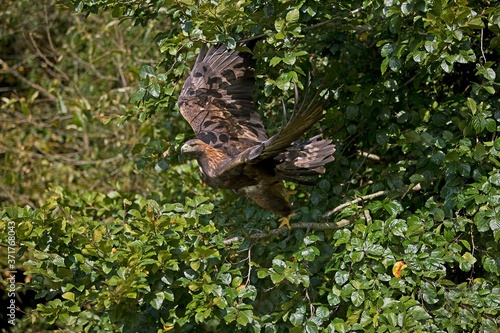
x=285 y=221
x=288 y=194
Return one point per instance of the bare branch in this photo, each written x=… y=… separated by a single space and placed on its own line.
x=311 y=306
x=249 y=265
x=482 y=49
x=403 y=192
x=354 y=202
x=368 y=155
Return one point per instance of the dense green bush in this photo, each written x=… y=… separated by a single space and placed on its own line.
x=400 y=235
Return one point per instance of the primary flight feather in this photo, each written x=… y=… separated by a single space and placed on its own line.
x=231 y=145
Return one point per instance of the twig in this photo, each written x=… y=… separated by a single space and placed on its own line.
x=368 y=216
x=404 y=191
x=368 y=155
x=482 y=49
x=311 y=306
x=249 y=265
x=355 y=201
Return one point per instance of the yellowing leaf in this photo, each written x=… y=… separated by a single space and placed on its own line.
x=97 y=235
x=397 y=268
x=69 y=295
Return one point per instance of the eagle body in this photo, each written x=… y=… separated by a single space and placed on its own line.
x=232 y=147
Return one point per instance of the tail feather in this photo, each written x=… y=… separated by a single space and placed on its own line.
x=305 y=158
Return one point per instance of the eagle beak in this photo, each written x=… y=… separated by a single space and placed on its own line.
x=185 y=148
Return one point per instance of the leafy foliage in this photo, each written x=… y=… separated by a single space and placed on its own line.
x=147 y=247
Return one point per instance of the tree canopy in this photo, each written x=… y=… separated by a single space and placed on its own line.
x=116 y=232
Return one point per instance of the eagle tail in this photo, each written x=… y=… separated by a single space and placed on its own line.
x=304 y=158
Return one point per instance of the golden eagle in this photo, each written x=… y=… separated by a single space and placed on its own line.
x=231 y=145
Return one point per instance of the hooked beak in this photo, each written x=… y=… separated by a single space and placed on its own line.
x=185 y=148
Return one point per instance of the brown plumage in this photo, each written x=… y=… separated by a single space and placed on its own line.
x=232 y=147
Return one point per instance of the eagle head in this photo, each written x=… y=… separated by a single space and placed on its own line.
x=193 y=146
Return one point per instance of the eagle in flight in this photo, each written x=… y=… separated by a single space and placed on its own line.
x=231 y=146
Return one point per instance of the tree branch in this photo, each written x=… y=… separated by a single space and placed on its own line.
x=295 y=226
x=403 y=191
x=323 y=225
x=355 y=201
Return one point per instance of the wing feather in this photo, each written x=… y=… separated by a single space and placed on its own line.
x=309 y=113
x=217 y=100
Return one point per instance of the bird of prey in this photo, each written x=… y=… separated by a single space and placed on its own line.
x=231 y=146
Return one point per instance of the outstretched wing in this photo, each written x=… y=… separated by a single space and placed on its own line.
x=308 y=113
x=217 y=100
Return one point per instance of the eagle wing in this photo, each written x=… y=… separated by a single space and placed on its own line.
x=309 y=112
x=217 y=100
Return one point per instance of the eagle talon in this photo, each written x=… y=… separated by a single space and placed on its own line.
x=285 y=221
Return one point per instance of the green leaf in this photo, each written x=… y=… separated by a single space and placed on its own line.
x=293 y=16
x=157 y=302
x=61 y=105
x=469 y=258
x=471 y=104
x=476 y=22
x=138 y=95
x=322 y=312
x=495 y=224
x=169 y=295
x=398 y=227
x=333 y=297
x=387 y=50
x=384 y=65
x=146 y=71
x=482 y=220
x=297 y=317
x=277 y=278
x=154 y=90
x=393 y=208
x=261 y=273
x=491 y=265
x=357 y=256
x=446 y=66
x=311 y=327
x=205 y=209
x=358 y=297
x=244 y=317
x=274 y=61
x=429 y=293
x=439 y=214
x=220 y=302
x=279 y=25
x=341 y=277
